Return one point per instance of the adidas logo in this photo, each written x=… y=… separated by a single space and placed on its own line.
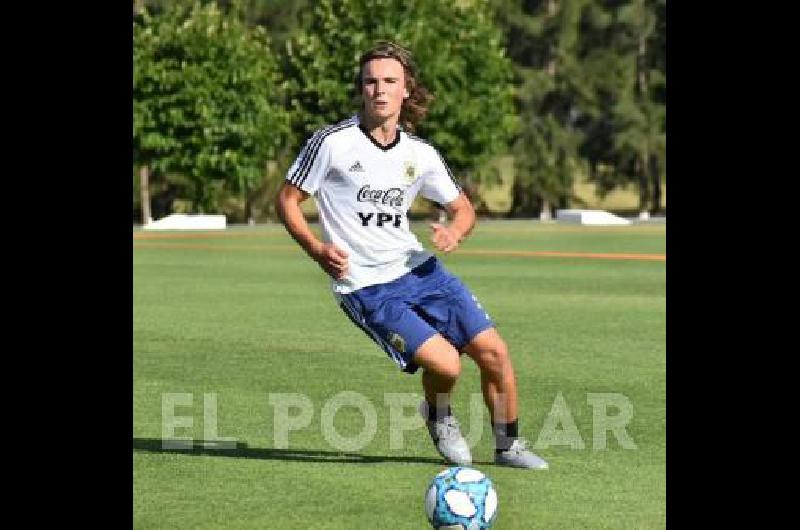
x=356 y=167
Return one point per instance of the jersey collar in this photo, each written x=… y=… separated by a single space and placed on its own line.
x=374 y=141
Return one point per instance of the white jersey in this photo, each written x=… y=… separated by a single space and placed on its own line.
x=363 y=191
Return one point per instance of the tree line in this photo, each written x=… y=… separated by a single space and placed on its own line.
x=226 y=92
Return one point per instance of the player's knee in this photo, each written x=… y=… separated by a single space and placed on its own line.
x=495 y=358
x=449 y=368
x=440 y=358
x=452 y=369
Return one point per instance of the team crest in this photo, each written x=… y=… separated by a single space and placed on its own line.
x=397 y=341
x=409 y=172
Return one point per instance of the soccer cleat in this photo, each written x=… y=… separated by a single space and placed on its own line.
x=446 y=436
x=518 y=455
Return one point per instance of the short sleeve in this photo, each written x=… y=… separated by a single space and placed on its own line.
x=439 y=184
x=311 y=166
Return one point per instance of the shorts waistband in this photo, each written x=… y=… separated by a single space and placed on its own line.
x=425 y=268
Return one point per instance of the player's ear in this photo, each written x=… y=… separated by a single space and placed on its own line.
x=406 y=95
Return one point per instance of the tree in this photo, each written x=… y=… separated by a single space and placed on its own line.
x=542 y=40
x=279 y=17
x=624 y=57
x=591 y=92
x=207 y=99
x=460 y=54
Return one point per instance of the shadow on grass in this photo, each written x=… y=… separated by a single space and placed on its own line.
x=241 y=450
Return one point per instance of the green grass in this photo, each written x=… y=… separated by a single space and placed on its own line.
x=246 y=314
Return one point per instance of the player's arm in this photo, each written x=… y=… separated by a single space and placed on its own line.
x=331 y=258
x=462 y=218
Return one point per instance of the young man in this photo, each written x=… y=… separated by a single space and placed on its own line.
x=364 y=173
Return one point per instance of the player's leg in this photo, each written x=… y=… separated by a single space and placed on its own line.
x=441 y=367
x=459 y=316
x=498 y=382
x=412 y=343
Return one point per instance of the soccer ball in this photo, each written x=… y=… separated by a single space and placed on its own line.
x=461 y=498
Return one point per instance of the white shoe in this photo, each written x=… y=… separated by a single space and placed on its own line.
x=518 y=455
x=446 y=436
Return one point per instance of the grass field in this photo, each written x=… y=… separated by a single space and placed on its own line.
x=244 y=314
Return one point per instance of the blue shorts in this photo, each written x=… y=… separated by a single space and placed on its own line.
x=402 y=314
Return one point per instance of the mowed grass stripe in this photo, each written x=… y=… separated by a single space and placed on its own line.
x=492 y=227
x=468 y=252
x=558 y=254
x=202 y=235
x=225 y=248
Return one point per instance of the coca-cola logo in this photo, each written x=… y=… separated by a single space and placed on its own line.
x=391 y=197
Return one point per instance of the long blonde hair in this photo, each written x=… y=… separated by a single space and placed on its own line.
x=415 y=106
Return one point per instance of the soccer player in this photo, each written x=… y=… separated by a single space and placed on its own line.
x=364 y=173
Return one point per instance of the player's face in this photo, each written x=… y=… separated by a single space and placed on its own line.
x=383 y=87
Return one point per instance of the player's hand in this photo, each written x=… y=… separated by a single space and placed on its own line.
x=333 y=260
x=444 y=238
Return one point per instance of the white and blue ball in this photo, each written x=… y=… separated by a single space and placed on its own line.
x=461 y=498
